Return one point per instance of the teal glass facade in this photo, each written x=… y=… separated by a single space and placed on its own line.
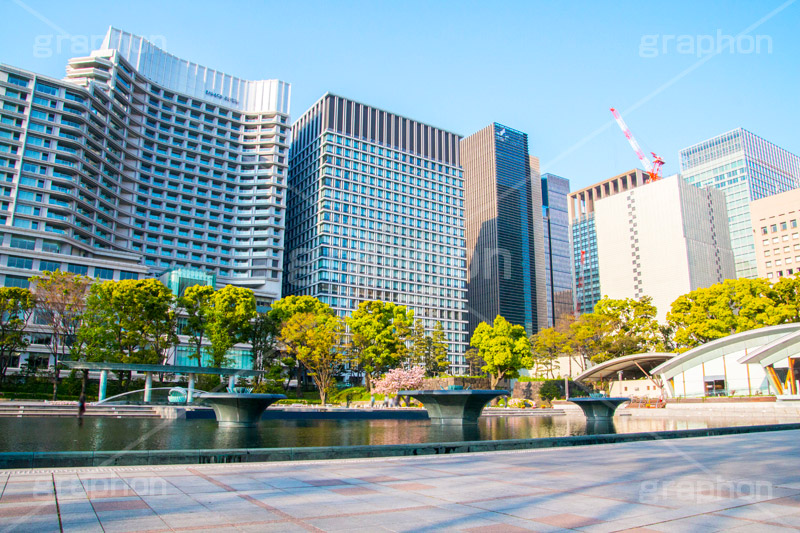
x=557 y=250
x=746 y=168
x=376 y=204
x=587 y=273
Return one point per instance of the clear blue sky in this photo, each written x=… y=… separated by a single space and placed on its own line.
x=551 y=69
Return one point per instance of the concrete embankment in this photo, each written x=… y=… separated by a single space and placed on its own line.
x=693 y=409
x=750 y=410
x=66 y=409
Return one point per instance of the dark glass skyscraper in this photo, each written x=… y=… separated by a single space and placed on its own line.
x=557 y=251
x=505 y=252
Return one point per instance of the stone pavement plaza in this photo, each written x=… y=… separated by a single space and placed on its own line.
x=748 y=482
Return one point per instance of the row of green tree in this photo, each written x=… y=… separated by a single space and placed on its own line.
x=377 y=337
x=129 y=321
x=139 y=322
x=619 y=327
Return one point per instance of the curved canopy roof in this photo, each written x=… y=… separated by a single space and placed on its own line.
x=168 y=369
x=751 y=340
x=777 y=350
x=628 y=364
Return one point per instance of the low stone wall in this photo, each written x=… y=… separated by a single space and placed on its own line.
x=528 y=390
x=741 y=409
x=473 y=383
x=724 y=399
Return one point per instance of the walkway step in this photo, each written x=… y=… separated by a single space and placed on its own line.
x=105 y=411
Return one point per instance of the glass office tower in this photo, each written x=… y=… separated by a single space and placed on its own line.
x=557 y=250
x=376 y=204
x=747 y=168
x=505 y=249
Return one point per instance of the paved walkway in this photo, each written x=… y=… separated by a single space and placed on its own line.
x=746 y=483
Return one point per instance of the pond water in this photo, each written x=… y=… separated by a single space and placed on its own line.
x=65 y=434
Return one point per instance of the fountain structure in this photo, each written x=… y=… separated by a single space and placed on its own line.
x=238 y=407
x=454 y=406
x=598 y=408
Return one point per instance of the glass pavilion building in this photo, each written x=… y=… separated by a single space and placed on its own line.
x=139 y=162
x=746 y=168
x=376 y=203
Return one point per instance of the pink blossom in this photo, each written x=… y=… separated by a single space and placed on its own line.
x=399 y=379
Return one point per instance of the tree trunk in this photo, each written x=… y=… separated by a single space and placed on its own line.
x=494 y=380
x=56 y=376
x=299 y=387
x=288 y=381
x=368 y=382
x=84 y=381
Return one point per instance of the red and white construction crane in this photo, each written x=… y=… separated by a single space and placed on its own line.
x=653 y=168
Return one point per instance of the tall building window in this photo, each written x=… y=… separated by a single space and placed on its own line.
x=16 y=281
x=83 y=270
x=20 y=262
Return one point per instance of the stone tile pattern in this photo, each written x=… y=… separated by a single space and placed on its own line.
x=734 y=483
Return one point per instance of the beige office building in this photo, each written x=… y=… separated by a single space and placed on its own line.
x=583 y=236
x=777 y=236
x=662 y=240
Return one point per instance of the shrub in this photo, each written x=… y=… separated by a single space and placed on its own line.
x=550 y=391
x=554 y=389
x=520 y=403
x=290 y=401
x=268 y=386
x=352 y=394
x=209 y=382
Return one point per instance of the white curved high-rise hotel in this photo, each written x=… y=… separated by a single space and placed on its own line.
x=139 y=162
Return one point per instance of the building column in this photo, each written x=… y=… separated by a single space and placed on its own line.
x=232 y=381
x=791 y=378
x=774 y=380
x=101 y=395
x=148 y=386
x=190 y=392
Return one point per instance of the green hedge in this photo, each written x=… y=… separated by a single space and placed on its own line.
x=304 y=401
x=353 y=394
x=35 y=396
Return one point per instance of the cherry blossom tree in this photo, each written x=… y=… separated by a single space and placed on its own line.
x=399 y=379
